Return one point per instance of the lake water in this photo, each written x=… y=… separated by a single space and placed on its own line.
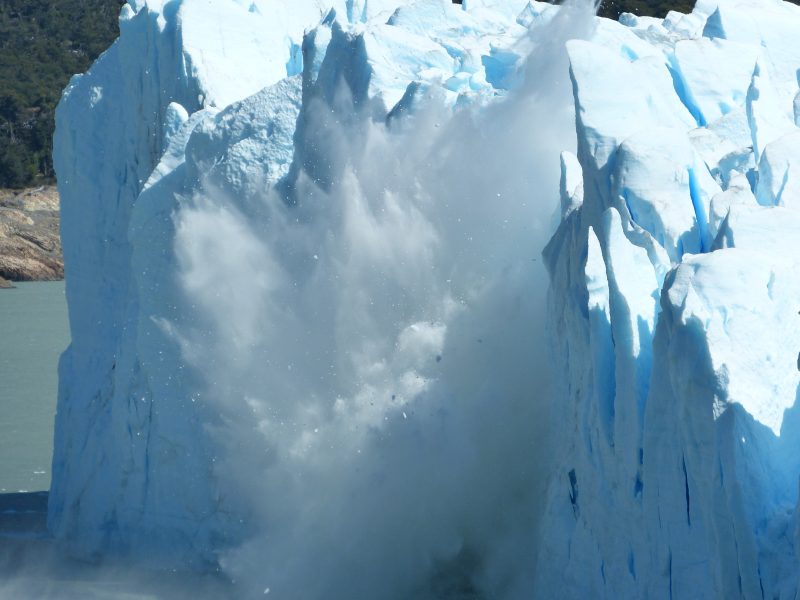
x=33 y=333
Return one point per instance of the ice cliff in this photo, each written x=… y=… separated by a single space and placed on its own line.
x=306 y=247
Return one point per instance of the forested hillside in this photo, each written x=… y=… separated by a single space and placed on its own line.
x=612 y=9
x=42 y=44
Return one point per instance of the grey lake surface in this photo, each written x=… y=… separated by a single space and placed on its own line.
x=33 y=333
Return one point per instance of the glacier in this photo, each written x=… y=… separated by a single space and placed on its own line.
x=410 y=299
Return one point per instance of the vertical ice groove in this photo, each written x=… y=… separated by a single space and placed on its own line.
x=699 y=210
x=686 y=488
x=684 y=93
x=601 y=336
x=573 y=492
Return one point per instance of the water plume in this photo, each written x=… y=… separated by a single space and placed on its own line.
x=374 y=350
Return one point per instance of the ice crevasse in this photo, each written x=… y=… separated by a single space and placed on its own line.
x=673 y=311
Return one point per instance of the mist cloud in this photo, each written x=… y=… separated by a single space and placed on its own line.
x=376 y=348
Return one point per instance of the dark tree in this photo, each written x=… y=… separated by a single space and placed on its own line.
x=42 y=44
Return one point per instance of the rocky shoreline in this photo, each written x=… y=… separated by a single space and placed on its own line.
x=30 y=242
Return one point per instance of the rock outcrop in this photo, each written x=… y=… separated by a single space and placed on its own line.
x=30 y=244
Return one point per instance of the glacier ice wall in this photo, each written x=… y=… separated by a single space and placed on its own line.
x=303 y=245
x=314 y=317
x=673 y=305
